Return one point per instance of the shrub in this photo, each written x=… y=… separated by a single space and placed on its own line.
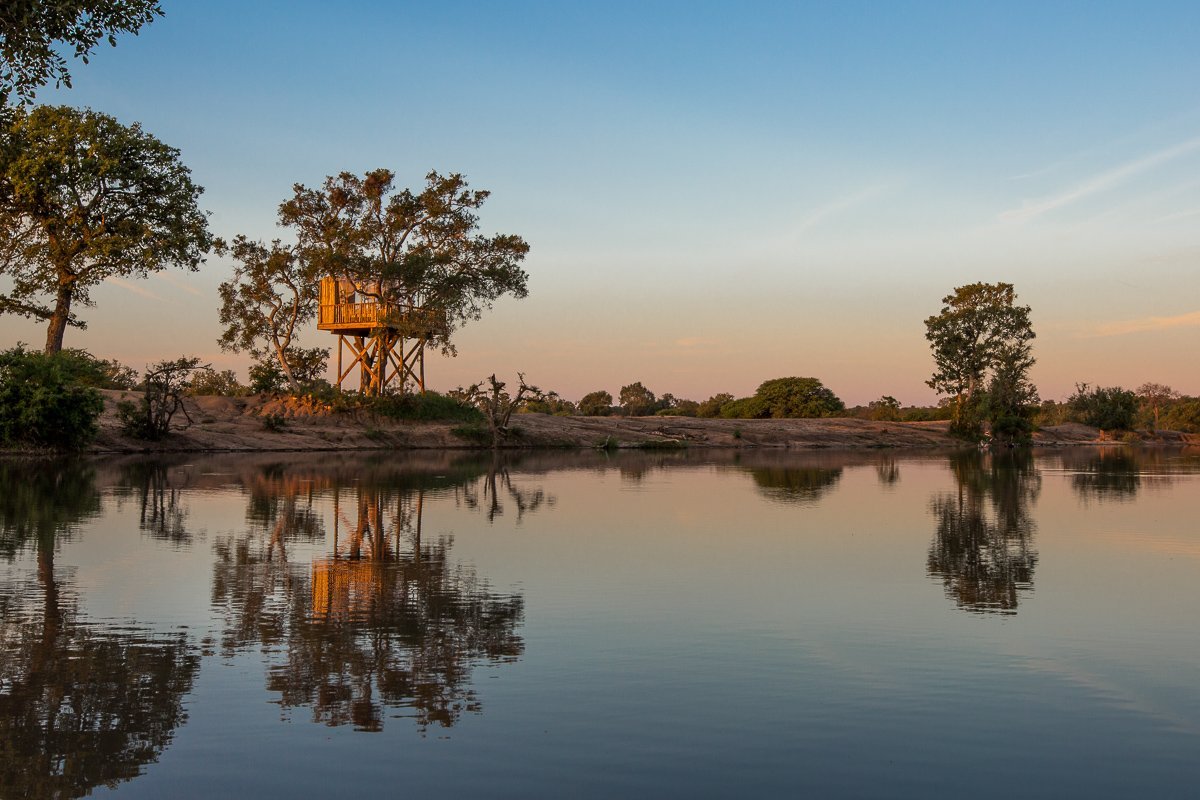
x=885 y=409
x=213 y=383
x=1111 y=408
x=783 y=398
x=713 y=405
x=428 y=406
x=41 y=402
x=164 y=384
x=596 y=404
x=1183 y=415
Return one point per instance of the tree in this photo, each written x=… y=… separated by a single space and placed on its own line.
x=713 y=405
x=271 y=293
x=1107 y=408
x=1011 y=400
x=31 y=32
x=407 y=249
x=1155 y=396
x=885 y=409
x=165 y=385
x=978 y=324
x=596 y=404
x=497 y=404
x=84 y=198
x=637 y=400
x=795 y=397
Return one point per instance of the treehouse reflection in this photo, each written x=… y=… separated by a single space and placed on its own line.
x=386 y=341
x=383 y=622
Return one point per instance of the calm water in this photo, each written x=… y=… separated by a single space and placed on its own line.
x=678 y=625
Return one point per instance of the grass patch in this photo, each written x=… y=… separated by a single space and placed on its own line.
x=475 y=434
x=661 y=444
x=428 y=407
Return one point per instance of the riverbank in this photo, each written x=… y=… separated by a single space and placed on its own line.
x=265 y=423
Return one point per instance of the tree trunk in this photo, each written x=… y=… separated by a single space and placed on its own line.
x=58 y=320
x=287 y=370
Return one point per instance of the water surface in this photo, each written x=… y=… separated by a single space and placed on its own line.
x=653 y=625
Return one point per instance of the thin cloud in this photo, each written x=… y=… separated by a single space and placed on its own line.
x=837 y=206
x=177 y=283
x=1099 y=183
x=1190 y=320
x=133 y=287
x=1195 y=212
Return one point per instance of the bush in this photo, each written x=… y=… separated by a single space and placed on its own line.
x=1183 y=415
x=885 y=409
x=1110 y=409
x=42 y=403
x=596 y=404
x=164 y=384
x=713 y=405
x=429 y=406
x=212 y=383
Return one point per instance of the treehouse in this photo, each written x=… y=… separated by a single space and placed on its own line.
x=384 y=340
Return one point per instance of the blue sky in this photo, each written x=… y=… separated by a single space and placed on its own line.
x=715 y=194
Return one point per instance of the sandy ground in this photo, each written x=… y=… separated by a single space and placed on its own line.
x=240 y=424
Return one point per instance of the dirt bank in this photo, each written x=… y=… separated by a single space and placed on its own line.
x=271 y=423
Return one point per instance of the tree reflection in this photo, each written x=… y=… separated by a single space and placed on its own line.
x=162 y=515
x=385 y=620
x=80 y=706
x=497 y=483
x=982 y=550
x=1106 y=474
x=802 y=485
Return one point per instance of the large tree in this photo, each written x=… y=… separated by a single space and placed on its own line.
x=84 y=198
x=407 y=249
x=979 y=328
x=271 y=294
x=33 y=31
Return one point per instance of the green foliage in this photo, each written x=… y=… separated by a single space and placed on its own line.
x=427 y=407
x=979 y=329
x=742 y=408
x=1183 y=415
x=84 y=198
x=1050 y=413
x=885 y=409
x=275 y=422
x=272 y=292
x=34 y=33
x=219 y=384
x=164 y=388
x=711 y=407
x=41 y=402
x=406 y=249
x=552 y=404
x=1110 y=409
x=637 y=400
x=266 y=377
x=784 y=398
x=495 y=403
x=1153 y=398
x=596 y=404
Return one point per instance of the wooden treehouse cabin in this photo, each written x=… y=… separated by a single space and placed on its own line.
x=385 y=341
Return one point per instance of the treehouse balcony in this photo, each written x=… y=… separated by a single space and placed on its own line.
x=349 y=310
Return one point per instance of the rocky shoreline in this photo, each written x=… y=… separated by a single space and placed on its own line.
x=267 y=423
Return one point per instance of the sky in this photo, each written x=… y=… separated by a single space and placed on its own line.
x=715 y=194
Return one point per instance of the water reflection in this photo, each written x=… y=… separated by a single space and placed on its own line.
x=802 y=485
x=384 y=621
x=982 y=549
x=158 y=493
x=80 y=705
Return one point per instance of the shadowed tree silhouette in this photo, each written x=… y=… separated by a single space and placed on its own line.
x=982 y=549
x=801 y=485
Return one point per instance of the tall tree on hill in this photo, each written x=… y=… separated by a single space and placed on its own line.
x=84 y=198
x=31 y=32
x=979 y=329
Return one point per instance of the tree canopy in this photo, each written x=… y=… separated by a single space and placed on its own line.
x=405 y=248
x=84 y=198
x=978 y=330
x=31 y=32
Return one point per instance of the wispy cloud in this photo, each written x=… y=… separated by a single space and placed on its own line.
x=1098 y=183
x=176 y=282
x=837 y=206
x=1195 y=212
x=133 y=287
x=1190 y=320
